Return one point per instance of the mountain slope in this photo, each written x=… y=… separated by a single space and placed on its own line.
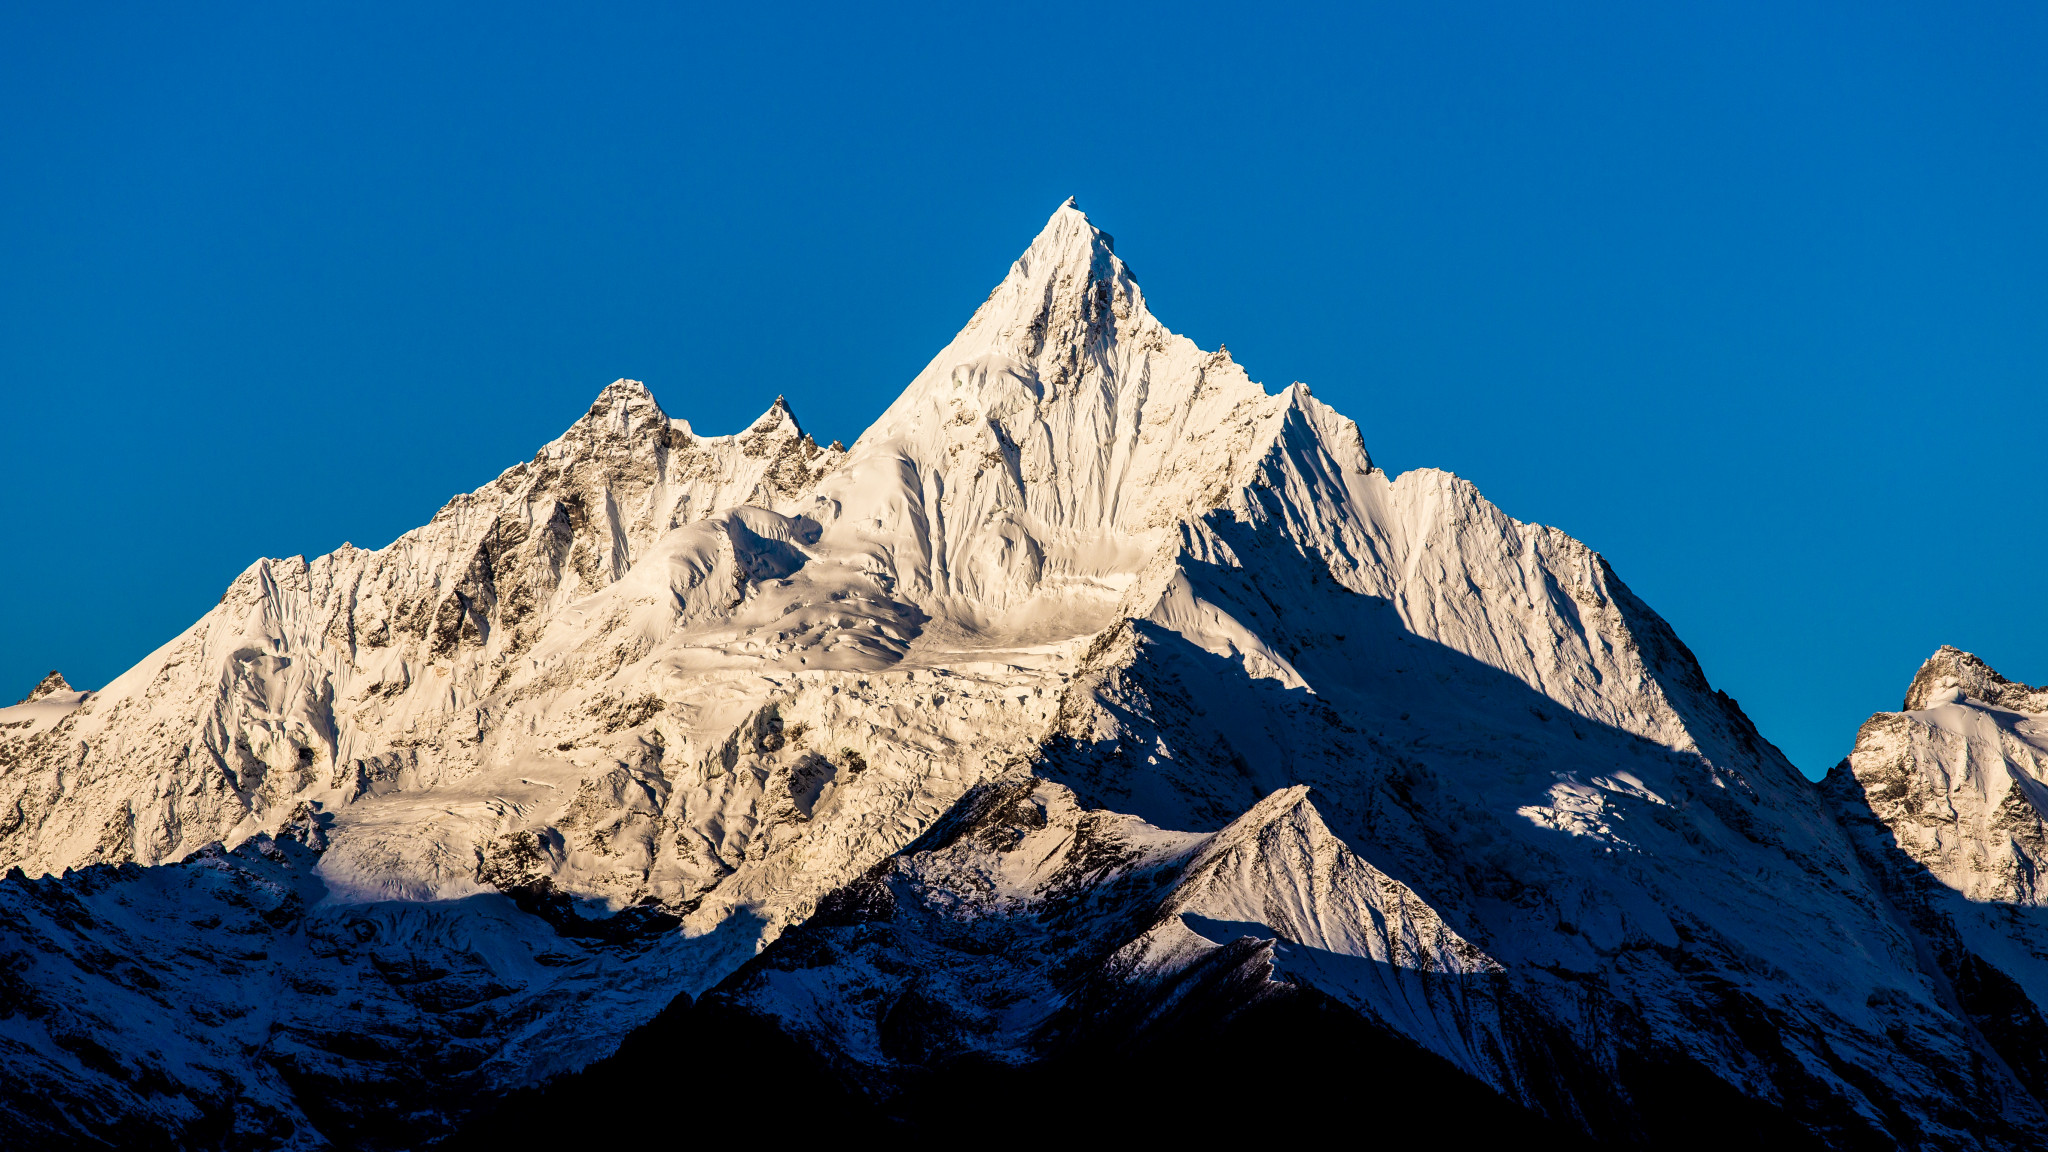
x=1093 y=701
x=1947 y=800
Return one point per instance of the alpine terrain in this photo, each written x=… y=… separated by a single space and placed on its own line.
x=1100 y=739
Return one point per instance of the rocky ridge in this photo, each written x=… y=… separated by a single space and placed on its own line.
x=1946 y=801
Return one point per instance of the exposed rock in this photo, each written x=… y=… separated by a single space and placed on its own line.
x=49 y=686
x=1094 y=697
x=1952 y=674
x=1946 y=802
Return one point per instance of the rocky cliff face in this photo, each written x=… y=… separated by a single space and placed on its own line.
x=1093 y=691
x=1946 y=800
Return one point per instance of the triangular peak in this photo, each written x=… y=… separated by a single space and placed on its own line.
x=623 y=391
x=1339 y=434
x=1952 y=674
x=1069 y=262
x=778 y=418
x=49 y=686
x=1064 y=382
x=1060 y=315
x=1065 y=429
x=1068 y=238
x=622 y=407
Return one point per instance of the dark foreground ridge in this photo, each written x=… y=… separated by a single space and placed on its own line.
x=1278 y=1071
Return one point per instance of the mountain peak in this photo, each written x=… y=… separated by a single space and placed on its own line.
x=1069 y=238
x=1069 y=212
x=1067 y=293
x=50 y=686
x=624 y=389
x=778 y=417
x=1952 y=674
x=622 y=404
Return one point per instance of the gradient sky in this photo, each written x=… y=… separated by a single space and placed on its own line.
x=1753 y=298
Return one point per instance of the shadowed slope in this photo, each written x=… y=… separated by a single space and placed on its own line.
x=700 y=707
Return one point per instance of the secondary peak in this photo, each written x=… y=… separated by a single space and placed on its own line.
x=779 y=416
x=50 y=686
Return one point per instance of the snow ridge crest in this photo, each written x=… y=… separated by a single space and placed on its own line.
x=48 y=686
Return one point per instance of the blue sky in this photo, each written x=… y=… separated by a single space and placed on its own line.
x=1752 y=298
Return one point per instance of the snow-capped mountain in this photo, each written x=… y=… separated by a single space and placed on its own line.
x=1946 y=800
x=1092 y=691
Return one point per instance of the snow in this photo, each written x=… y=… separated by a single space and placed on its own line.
x=1088 y=627
x=1948 y=801
x=33 y=716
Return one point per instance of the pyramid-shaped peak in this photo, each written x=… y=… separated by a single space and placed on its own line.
x=622 y=394
x=50 y=686
x=1069 y=237
x=623 y=407
x=1069 y=213
x=778 y=418
x=1064 y=349
x=1067 y=289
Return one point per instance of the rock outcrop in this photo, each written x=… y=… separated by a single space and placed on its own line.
x=1946 y=800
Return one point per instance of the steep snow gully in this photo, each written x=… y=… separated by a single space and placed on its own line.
x=1100 y=739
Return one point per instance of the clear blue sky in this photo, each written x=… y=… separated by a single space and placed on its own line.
x=1752 y=298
